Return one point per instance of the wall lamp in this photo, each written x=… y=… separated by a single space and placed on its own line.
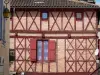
x=6 y=11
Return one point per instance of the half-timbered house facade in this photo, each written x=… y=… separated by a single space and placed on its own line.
x=53 y=36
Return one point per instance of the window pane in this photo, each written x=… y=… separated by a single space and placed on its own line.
x=39 y=48
x=45 y=50
x=79 y=15
x=44 y=15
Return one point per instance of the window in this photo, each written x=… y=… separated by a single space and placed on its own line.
x=1 y=61
x=11 y=55
x=44 y=15
x=42 y=50
x=78 y=16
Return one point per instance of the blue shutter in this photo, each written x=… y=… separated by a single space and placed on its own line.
x=1 y=18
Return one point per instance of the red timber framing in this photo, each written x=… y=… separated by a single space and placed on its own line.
x=78 y=50
x=30 y=21
x=78 y=61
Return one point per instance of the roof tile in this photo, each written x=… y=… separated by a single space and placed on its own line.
x=51 y=4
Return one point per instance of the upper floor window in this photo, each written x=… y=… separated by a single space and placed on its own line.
x=79 y=16
x=44 y=15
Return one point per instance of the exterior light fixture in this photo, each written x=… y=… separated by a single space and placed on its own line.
x=6 y=11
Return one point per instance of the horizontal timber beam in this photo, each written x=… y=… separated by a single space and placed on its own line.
x=56 y=37
x=66 y=61
x=52 y=32
x=58 y=73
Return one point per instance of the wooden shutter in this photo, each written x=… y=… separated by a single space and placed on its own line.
x=52 y=50
x=33 y=49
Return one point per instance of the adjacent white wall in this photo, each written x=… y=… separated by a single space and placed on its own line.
x=4 y=50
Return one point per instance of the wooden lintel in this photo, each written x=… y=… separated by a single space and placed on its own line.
x=56 y=37
x=53 y=32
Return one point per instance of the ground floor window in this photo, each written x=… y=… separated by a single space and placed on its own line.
x=42 y=50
